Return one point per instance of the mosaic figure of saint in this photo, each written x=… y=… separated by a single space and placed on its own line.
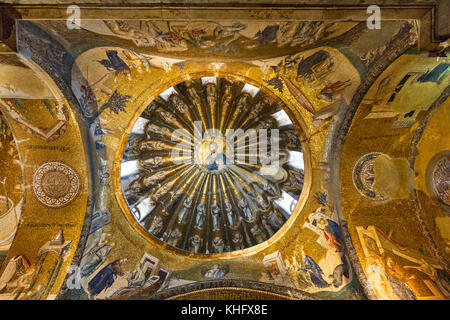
x=195 y=243
x=215 y=160
x=200 y=217
x=218 y=245
x=183 y=212
x=245 y=209
x=215 y=212
x=230 y=214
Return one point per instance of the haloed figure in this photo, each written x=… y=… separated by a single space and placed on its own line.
x=215 y=160
x=215 y=212
x=200 y=215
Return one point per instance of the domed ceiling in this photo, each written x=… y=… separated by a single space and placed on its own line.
x=219 y=164
x=224 y=152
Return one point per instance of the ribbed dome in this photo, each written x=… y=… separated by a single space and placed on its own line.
x=212 y=165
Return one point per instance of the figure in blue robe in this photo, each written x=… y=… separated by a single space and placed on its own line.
x=200 y=215
x=436 y=75
x=230 y=214
x=212 y=161
x=105 y=278
x=315 y=272
x=215 y=212
x=245 y=209
x=115 y=63
x=187 y=205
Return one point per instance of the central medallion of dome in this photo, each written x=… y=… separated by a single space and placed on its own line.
x=212 y=153
x=212 y=165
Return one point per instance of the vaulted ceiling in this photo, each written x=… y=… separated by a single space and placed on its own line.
x=185 y=150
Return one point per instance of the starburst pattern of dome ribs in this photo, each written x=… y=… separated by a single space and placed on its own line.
x=224 y=202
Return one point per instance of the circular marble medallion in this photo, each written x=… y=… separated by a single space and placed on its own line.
x=441 y=179
x=55 y=184
x=364 y=177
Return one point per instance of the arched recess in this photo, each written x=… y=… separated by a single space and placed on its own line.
x=232 y=290
x=55 y=174
x=429 y=158
x=13 y=186
x=378 y=185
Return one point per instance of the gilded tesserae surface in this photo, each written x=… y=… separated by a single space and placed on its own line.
x=126 y=183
